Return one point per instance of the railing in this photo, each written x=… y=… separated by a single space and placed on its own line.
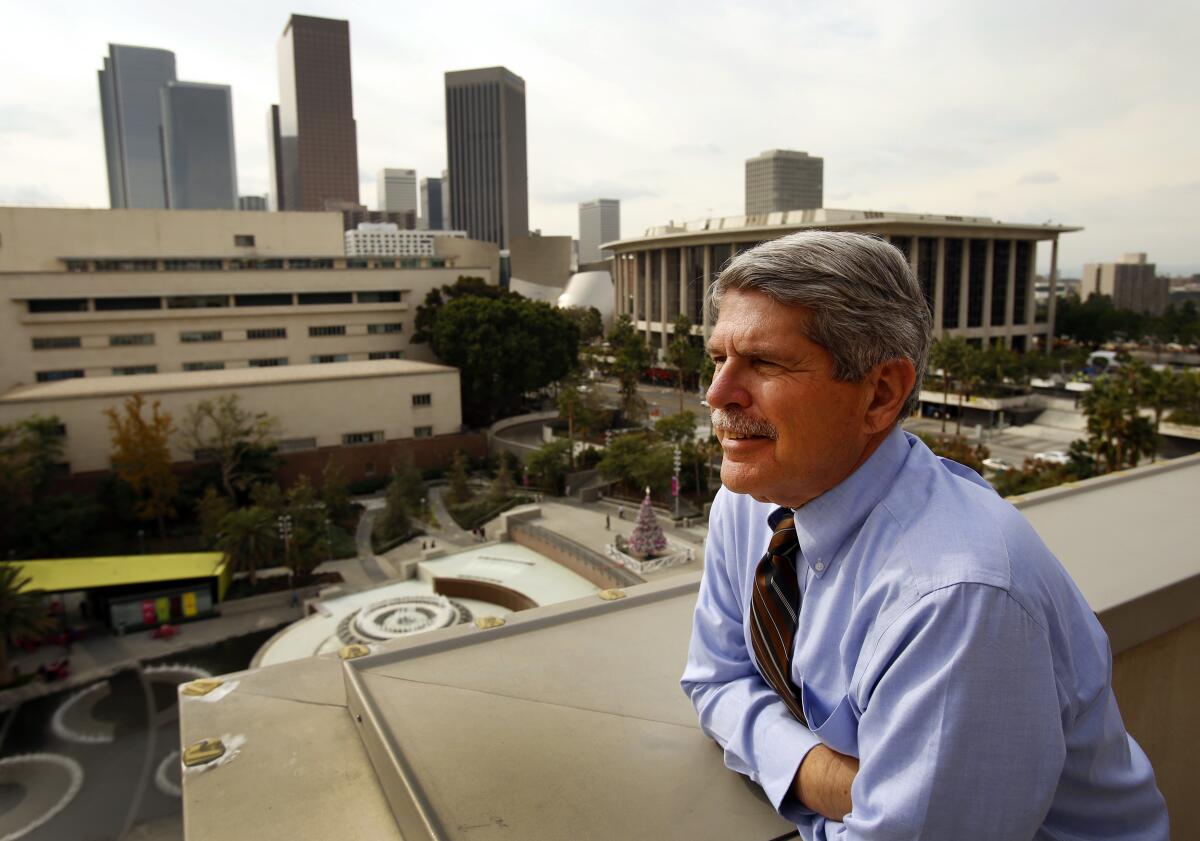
x=587 y=562
x=674 y=558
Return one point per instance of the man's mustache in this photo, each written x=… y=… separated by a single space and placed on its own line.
x=742 y=424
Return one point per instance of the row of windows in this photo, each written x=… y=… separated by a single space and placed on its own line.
x=251 y=263
x=376 y=436
x=194 y=336
x=214 y=301
x=220 y=365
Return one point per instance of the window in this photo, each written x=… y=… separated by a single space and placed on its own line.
x=55 y=376
x=357 y=264
x=377 y=329
x=269 y=362
x=266 y=299
x=422 y=399
x=326 y=358
x=303 y=263
x=57 y=305
x=126 y=265
x=132 y=370
x=200 y=336
x=127 y=339
x=328 y=330
x=422 y=431
x=76 y=265
x=192 y=265
x=59 y=430
x=196 y=302
x=313 y=298
x=267 y=333
x=204 y=366
x=291 y=445
x=386 y=354
x=384 y=297
x=131 y=303
x=362 y=438
x=56 y=342
x=243 y=240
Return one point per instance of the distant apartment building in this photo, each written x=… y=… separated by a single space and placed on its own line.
x=357 y=215
x=390 y=240
x=599 y=222
x=101 y=293
x=977 y=274
x=485 y=149
x=396 y=190
x=313 y=136
x=431 y=217
x=781 y=179
x=168 y=144
x=1131 y=282
x=252 y=202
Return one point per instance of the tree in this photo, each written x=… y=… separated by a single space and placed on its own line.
x=547 y=466
x=647 y=539
x=678 y=429
x=502 y=486
x=588 y=320
x=309 y=542
x=949 y=354
x=211 y=509
x=141 y=457
x=460 y=489
x=1158 y=390
x=33 y=522
x=427 y=313
x=580 y=407
x=631 y=356
x=248 y=538
x=335 y=495
x=503 y=348
x=221 y=431
x=1118 y=433
x=683 y=354
x=408 y=478
x=21 y=613
x=397 y=517
x=636 y=460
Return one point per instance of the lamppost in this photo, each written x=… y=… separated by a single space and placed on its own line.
x=284 y=521
x=675 y=480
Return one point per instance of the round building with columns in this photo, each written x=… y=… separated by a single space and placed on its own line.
x=977 y=274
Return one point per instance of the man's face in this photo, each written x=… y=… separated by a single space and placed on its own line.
x=789 y=430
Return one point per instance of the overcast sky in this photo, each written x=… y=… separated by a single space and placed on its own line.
x=1081 y=113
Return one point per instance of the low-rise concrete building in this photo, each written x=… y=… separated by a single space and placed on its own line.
x=1131 y=282
x=318 y=407
x=90 y=293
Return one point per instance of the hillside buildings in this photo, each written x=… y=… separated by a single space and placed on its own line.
x=781 y=179
x=977 y=274
x=168 y=144
x=312 y=134
x=485 y=150
x=1131 y=282
x=599 y=222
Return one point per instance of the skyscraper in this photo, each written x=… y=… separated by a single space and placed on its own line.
x=274 y=160
x=197 y=131
x=781 y=179
x=396 y=189
x=431 y=218
x=131 y=110
x=599 y=222
x=316 y=146
x=485 y=148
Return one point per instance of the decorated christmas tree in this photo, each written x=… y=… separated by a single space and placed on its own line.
x=647 y=539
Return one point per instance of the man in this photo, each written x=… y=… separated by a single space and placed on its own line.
x=907 y=660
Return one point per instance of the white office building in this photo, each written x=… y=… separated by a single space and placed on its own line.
x=388 y=239
x=599 y=222
x=396 y=190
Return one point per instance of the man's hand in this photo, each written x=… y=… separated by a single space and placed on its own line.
x=823 y=782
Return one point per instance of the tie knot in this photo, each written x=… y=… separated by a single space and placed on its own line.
x=783 y=528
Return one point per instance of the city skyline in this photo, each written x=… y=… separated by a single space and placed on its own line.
x=1019 y=114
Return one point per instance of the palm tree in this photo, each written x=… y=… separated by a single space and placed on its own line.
x=21 y=613
x=247 y=538
x=1158 y=391
x=948 y=353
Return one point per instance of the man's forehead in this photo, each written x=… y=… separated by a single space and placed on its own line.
x=753 y=316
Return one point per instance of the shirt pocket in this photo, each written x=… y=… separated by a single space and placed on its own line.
x=837 y=729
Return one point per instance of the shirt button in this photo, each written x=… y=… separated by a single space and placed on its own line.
x=819 y=566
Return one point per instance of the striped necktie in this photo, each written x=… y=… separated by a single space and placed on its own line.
x=775 y=606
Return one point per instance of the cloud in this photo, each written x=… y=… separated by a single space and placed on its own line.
x=29 y=194
x=595 y=190
x=1043 y=176
x=697 y=149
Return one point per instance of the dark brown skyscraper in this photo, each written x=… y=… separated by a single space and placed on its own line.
x=316 y=147
x=485 y=149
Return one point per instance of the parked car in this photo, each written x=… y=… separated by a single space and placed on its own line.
x=997 y=465
x=1053 y=457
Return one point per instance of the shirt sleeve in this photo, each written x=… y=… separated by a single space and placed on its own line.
x=960 y=734
x=737 y=708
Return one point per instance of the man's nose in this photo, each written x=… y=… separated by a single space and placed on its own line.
x=726 y=388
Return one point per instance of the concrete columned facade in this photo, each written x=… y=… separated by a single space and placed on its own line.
x=977 y=274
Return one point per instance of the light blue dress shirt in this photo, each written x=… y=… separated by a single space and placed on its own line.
x=939 y=642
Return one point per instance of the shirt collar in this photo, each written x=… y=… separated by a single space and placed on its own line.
x=823 y=524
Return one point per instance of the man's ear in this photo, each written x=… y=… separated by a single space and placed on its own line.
x=891 y=383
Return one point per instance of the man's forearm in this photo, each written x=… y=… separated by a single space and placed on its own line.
x=823 y=782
